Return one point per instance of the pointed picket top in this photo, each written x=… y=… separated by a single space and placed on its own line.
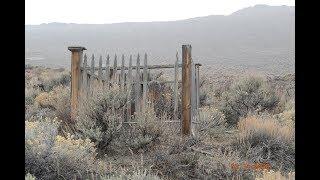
x=92 y=64
x=100 y=61
x=145 y=59
x=138 y=59
x=108 y=57
x=114 y=70
x=122 y=72
x=115 y=63
x=108 y=60
x=85 y=60
x=130 y=60
x=107 y=71
x=100 y=68
x=145 y=66
x=177 y=55
x=122 y=64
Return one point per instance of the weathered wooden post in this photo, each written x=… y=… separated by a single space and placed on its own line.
x=197 y=66
x=175 y=110
x=186 y=89
x=76 y=58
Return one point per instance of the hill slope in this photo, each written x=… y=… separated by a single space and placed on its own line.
x=255 y=36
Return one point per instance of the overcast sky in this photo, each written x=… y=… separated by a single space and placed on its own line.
x=113 y=11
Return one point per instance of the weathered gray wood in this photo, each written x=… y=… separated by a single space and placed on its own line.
x=198 y=90
x=193 y=94
x=175 y=110
x=114 y=70
x=149 y=75
x=122 y=73
x=162 y=66
x=137 y=86
x=85 y=76
x=100 y=69
x=92 y=79
x=186 y=89
x=129 y=87
x=92 y=64
x=107 y=83
x=145 y=83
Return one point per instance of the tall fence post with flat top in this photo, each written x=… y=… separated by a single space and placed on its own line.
x=186 y=90
x=76 y=58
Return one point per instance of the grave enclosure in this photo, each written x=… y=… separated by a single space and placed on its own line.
x=137 y=77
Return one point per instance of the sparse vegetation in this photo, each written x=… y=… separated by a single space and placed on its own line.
x=251 y=120
x=250 y=94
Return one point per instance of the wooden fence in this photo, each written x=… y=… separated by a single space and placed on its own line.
x=128 y=77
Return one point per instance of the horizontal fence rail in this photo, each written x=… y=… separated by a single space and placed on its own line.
x=164 y=66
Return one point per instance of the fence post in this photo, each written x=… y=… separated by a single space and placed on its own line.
x=198 y=89
x=175 y=111
x=76 y=56
x=186 y=89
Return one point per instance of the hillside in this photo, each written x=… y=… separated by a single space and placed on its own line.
x=261 y=37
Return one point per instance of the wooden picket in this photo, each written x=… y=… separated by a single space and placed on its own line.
x=137 y=86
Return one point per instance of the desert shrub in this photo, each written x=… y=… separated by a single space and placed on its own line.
x=51 y=156
x=222 y=165
x=34 y=113
x=75 y=157
x=39 y=140
x=57 y=100
x=100 y=117
x=211 y=121
x=146 y=132
x=53 y=79
x=270 y=175
x=264 y=139
x=61 y=103
x=287 y=116
x=177 y=160
x=29 y=177
x=30 y=95
x=136 y=175
x=44 y=100
x=247 y=95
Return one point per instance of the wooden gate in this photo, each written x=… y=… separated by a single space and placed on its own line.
x=129 y=77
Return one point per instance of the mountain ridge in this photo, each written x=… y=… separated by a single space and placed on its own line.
x=253 y=35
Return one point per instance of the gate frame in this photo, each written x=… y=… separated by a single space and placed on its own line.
x=190 y=85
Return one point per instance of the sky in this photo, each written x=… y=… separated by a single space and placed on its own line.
x=115 y=11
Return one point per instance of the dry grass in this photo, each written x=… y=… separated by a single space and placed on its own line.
x=264 y=139
x=272 y=175
x=253 y=126
x=151 y=144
